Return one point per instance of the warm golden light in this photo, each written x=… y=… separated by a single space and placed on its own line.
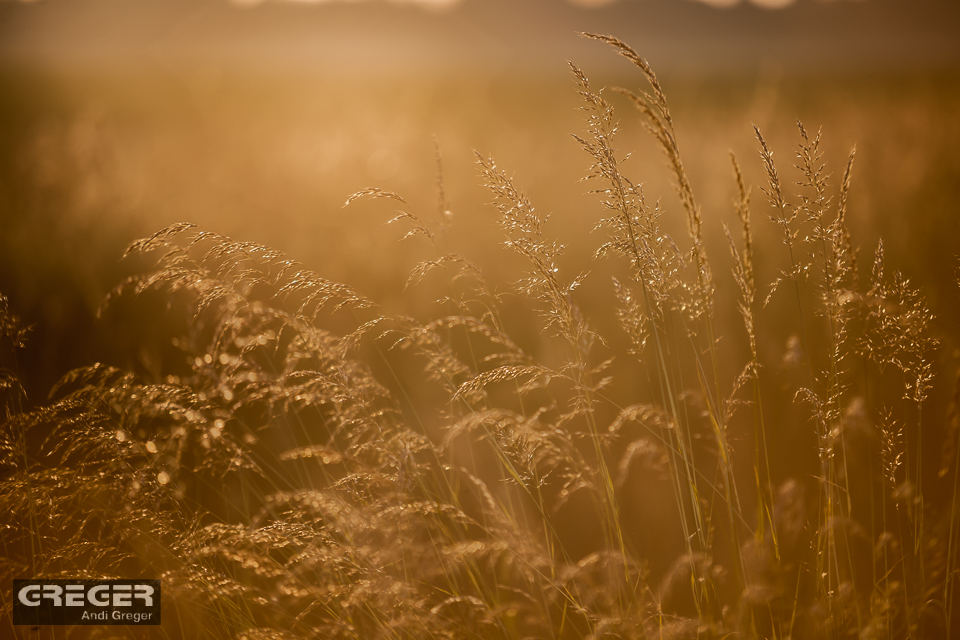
x=440 y=319
x=591 y=4
x=425 y=4
x=773 y=4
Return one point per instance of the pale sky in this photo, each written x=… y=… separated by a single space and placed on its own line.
x=458 y=34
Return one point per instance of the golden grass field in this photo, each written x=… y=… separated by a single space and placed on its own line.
x=586 y=414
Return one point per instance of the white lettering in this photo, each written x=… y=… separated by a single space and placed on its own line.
x=74 y=595
x=126 y=616
x=145 y=593
x=121 y=595
x=86 y=615
x=94 y=595
x=52 y=592
x=25 y=595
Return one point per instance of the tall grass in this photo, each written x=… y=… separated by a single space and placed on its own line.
x=299 y=462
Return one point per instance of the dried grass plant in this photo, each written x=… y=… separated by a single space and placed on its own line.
x=283 y=475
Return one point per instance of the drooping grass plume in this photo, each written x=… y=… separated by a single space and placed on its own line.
x=294 y=460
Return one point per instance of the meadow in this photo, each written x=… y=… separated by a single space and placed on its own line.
x=487 y=356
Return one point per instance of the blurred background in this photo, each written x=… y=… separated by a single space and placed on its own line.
x=257 y=119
